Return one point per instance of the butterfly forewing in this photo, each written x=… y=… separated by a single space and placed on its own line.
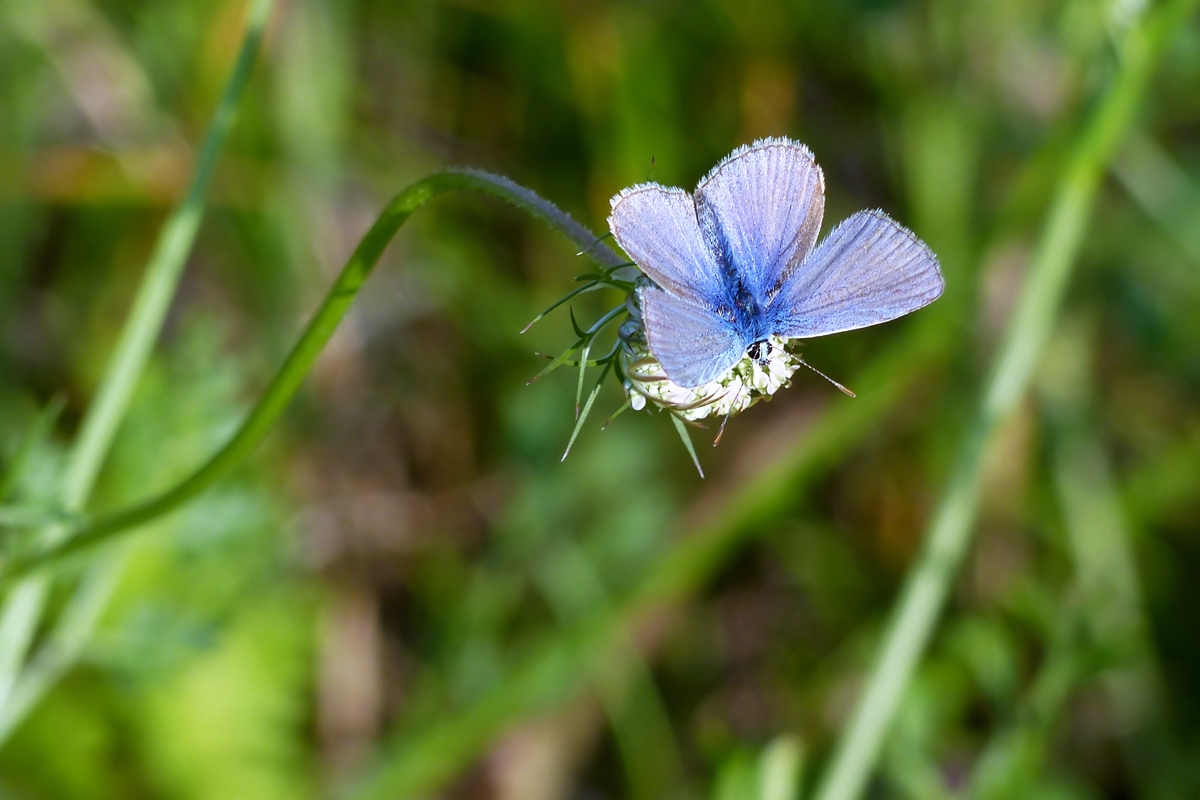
x=869 y=270
x=657 y=227
x=760 y=211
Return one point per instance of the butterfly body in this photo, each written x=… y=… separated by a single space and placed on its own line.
x=737 y=263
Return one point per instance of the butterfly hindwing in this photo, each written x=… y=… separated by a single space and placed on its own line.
x=869 y=270
x=760 y=211
x=693 y=344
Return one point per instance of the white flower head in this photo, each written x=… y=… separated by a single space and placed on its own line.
x=755 y=377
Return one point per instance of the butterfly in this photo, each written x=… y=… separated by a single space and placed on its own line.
x=738 y=262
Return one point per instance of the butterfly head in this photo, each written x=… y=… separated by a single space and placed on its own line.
x=760 y=352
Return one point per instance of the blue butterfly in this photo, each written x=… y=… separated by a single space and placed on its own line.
x=735 y=264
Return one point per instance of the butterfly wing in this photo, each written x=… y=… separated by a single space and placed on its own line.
x=693 y=344
x=760 y=211
x=870 y=269
x=657 y=227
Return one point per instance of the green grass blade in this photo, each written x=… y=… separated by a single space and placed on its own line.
x=950 y=531
x=158 y=287
x=587 y=409
x=580 y=332
x=583 y=365
x=685 y=437
x=65 y=644
x=779 y=769
x=23 y=608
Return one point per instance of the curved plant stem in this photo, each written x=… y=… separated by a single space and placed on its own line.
x=949 y=534
x=302 y=357
x=23 y=607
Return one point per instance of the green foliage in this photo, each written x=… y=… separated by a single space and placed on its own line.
x=403 y=593
x=231 y=723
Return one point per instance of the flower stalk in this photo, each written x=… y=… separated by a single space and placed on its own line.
x=92 y=533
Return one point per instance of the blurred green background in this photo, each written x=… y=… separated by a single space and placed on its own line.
x=405 y=594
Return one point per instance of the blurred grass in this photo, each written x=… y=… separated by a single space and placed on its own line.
x=1033 y=319
x=21 y=687
x=389 y=595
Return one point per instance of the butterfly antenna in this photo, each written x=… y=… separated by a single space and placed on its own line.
x=841 y=388
x=721 y=430
x=599 y=239
x=724 y=422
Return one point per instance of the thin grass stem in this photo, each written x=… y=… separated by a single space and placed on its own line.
x=949 y=534
x=23 y=609
x=780 y=769
x=157 y=290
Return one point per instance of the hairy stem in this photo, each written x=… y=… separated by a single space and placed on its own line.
x=302 y=357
